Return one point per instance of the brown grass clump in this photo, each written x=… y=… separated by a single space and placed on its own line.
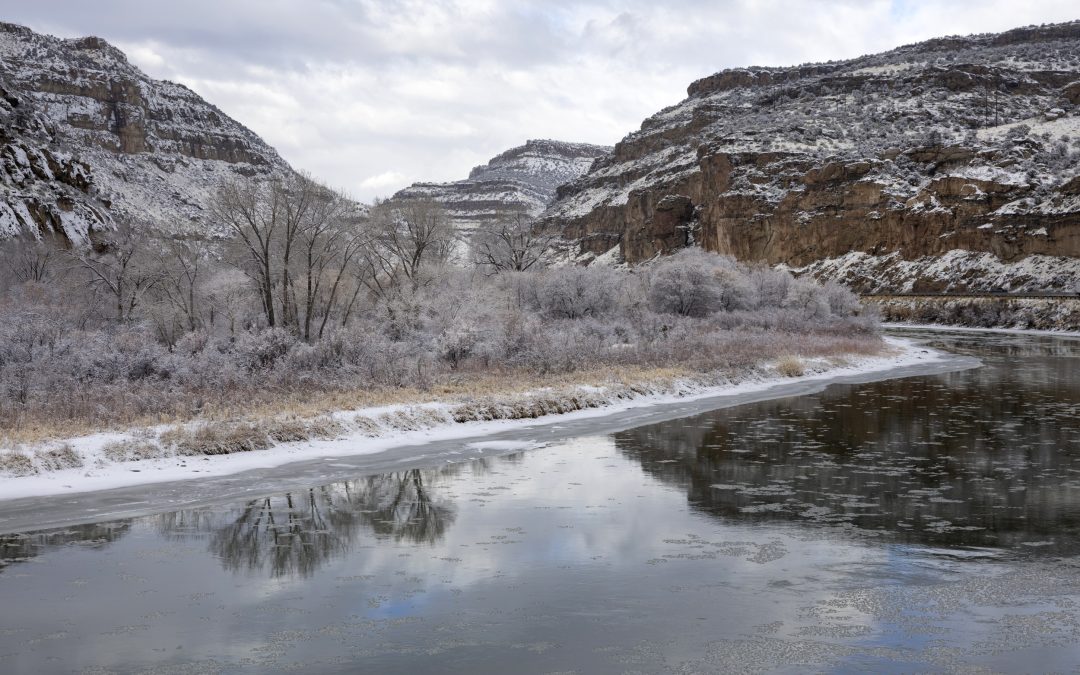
x=222 y=438
x=294 y=429
x=289 y=430
x=791 y=366
x=133 y=450
x=55 y=459
x=16 y=463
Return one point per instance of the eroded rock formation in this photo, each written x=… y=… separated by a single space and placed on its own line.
x=87 y=138
x=950 y=164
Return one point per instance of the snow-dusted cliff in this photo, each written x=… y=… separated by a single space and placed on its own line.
x=86 y=138
x=522 y=178
x=949 y=164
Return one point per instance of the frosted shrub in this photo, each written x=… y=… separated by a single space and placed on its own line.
x=687 y=284
x=63 y=361
x=841 y=301
x=577 y=292
x=770 y=286
x=808 y=299
x=261 y=350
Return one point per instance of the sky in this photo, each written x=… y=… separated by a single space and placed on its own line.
x=372 y=95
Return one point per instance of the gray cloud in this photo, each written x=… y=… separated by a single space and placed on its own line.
x=373 y=94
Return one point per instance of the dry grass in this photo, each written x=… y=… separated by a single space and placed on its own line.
x=56 y=459
x=16 y=463
x=133 y=450
x=282 y=415
x=293 y=429
x=791 y=366
x=223 y=438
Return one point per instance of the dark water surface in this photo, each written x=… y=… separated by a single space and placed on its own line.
x=927 y=524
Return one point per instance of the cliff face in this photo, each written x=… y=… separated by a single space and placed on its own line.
x=87 y=138
x=522 y=178
x=950 y=164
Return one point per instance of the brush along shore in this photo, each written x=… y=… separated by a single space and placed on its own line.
x=452 y=408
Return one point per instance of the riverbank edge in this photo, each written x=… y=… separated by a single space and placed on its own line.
x=375 y=430
x=977 y=329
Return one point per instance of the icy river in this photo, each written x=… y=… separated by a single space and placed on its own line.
x=927 y=523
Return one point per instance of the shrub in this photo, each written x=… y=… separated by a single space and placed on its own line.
x=131 y=450
x=791 y=366
x=216 y=438
x=15 y=463
x=55 y=459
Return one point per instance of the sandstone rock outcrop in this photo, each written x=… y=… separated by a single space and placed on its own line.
x=86 y=138
x=523 y=178
x=886 y=171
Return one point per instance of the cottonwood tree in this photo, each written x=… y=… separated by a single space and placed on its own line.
x=123 y=268
x=329 y=240
x=407 y=241
x=250 y=211
x=184 y=264
x=510 y=242
x=229 y=298
x=281 y=229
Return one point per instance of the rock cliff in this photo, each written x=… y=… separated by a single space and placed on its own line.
x=522 y=178
x=946 y=165
x=87 y=138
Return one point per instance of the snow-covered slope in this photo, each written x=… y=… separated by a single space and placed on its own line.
x=522 y=178
x=86 y=138
x=877 y=167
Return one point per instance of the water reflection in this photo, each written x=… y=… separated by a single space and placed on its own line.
x=23 y=547
x=760 y=538
x=988 y=457
x=297 y=533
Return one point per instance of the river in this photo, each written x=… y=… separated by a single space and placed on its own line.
x=928 y=523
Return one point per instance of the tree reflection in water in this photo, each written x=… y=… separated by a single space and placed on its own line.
x=22 y=547
x=296 y=533
x=986 y=457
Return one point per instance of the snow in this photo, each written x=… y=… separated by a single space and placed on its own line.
x=971 y=329
x=103 y=474
x=887 y=69
x=524 y=177
x=163 y=183
x=980 y=270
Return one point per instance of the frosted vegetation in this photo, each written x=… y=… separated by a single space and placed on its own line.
x=309 y=297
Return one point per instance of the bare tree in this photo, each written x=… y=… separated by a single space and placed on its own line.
x=123 y=267
x=250 y=211
x=407 y=240
x=266 y=219
x=510 y=242
x=329 y=239
x=183 y=264
x=28 y=261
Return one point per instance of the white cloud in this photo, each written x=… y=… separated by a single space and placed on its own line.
x=349 y=88
x=384 y=180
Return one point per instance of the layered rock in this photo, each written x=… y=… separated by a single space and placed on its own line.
x=524 y=178
x=88 y=138
x=873 y=170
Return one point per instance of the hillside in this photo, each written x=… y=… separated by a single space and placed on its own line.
x=87 y=138
x=522 y=178
x=946 y=165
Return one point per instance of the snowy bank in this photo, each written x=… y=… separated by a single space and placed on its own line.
x=198 y=450
x=975 y=329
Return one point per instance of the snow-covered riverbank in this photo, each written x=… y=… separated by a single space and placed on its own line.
x=106 y=462
x=972 y=329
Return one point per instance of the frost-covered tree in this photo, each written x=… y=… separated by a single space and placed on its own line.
x=510 y=242
x=122 y=268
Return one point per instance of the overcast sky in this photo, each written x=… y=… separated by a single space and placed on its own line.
x=371 y=95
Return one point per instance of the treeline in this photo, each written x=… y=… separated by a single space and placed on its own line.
x=304 y=293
